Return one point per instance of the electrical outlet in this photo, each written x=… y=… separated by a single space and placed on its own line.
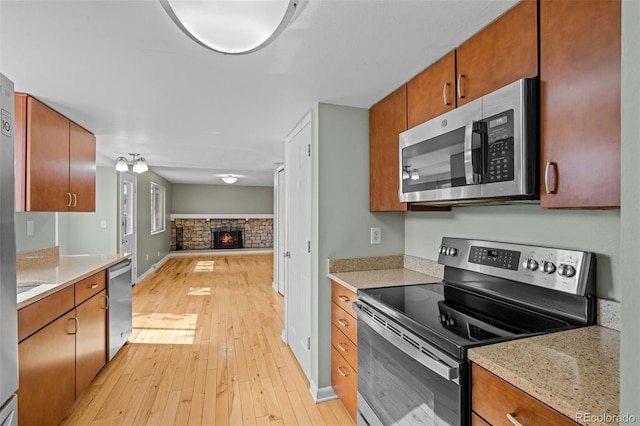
x=103 y=224
x=376 y=237
x=147 y=257
x=29 y=228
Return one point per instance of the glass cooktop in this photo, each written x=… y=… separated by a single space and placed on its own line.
x=456 y=319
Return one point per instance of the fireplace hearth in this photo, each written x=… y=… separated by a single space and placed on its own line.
x=200 y=233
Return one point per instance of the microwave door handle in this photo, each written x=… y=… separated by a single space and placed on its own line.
x=468 y=154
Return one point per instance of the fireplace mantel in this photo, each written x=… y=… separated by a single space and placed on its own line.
x=220 y=216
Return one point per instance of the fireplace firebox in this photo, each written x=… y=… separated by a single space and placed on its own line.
x=226 y=239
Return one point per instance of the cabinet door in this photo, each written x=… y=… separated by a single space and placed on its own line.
x=47 y=158
x=47 y=366
x=432 y=92
x=387 y=119
x=503 y=52
x=82 y=169
x=580 y=114
x=21 y=150
x=91 y=340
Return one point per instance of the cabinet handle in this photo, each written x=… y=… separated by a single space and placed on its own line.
x=512 y=419
x=547 y=171
x=343 y=298
x=459 y=86
x=106 y=302
x=343 y=322
x=75 y=200
x=341 y=371
x=341 y=347
x=92 y=286
x=70 y=199
x=76 y=324
x=445 y=98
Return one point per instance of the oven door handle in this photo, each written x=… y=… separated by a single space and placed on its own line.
x=436 y=365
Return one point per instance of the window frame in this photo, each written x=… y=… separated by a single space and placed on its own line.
x=158 y=191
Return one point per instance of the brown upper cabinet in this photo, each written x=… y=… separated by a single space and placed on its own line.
x=501 y=53
x=387 y=119
x=580 y=58
x=55 y=160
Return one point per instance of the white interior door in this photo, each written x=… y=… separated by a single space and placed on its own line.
x=298 y=243
x=280 y=231
x=128 y=219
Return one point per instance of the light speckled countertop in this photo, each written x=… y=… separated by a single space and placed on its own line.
x=56 y=273
x=381 y=278
x=576 y=372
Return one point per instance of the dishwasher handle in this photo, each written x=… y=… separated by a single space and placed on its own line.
x=120 y=269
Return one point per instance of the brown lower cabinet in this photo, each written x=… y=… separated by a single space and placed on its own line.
x=344 y=348
x=62 y=347
x=493 y=401
x=47 y=371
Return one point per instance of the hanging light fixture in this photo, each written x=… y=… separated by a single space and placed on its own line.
x=229 y=179
x=139 y=165
x=231 y=27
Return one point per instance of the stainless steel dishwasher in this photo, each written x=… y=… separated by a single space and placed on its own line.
x=120 y=310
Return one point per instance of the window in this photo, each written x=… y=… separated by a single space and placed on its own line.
x=157 y=208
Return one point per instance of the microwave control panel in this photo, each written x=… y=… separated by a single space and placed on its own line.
x=500 y=155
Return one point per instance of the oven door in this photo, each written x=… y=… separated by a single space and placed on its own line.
x=402 y=379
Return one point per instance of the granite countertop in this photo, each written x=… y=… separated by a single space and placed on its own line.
x=576 y=372
x=358 y=280
x=51 y=274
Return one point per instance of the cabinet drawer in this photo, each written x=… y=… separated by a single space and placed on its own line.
x=345 y=383
x=476 y=420
x=90 y=286
x=35 y=316
x=345 y=347
x=344 y=322
x=343 y=297
x=494 y=399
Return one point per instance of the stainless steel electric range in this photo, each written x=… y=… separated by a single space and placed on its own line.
x=413 y=340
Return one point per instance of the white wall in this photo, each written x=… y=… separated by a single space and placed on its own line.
x=630 y=214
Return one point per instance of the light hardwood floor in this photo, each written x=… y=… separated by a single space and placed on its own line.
x=206 y=350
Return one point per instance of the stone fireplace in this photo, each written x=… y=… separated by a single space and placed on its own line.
x=208 y=233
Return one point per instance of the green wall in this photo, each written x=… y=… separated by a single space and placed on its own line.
x=44 y=231
x=630 y=215
x=151 y=248
x=597 y=231
x=81 y=233
x=222 y=199
x=341 y=220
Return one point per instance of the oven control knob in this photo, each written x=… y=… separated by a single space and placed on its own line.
x=530 y=264
x=443 y=250
x=452 y=251
x=548 y=267
x=566 y=270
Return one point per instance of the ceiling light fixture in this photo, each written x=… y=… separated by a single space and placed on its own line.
x=231 y=27
x=229 y=179
x=139 y=164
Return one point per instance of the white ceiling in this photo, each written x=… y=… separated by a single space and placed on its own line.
x=123 y=70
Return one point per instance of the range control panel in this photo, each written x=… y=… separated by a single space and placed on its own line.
x=553 y=268
x=498 y=258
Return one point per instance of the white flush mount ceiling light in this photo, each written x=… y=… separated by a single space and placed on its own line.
x=229 y=179
x=139 y=164
x=233 y=27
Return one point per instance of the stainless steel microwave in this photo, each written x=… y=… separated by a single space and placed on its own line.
x=485 y=151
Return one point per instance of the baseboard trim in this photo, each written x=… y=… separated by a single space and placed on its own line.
x=152 y=269
x=322 y=394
